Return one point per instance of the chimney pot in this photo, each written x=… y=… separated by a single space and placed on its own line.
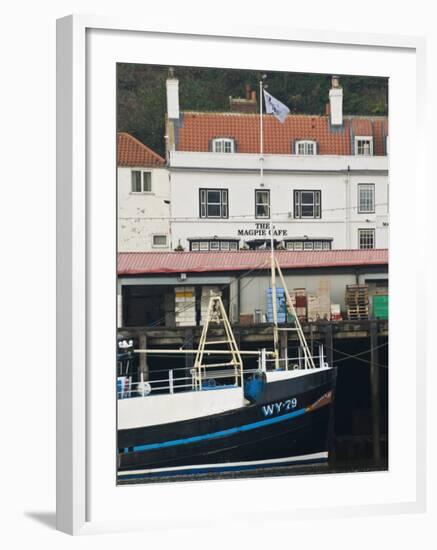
x=336 y=102
x=335 y=81
x=172 y=84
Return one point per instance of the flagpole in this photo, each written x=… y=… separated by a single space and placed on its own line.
x=272 y=255
x=261 y=135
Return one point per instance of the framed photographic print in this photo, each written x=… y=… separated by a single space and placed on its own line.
x=231 y=214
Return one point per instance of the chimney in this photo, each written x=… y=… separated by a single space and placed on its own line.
x=172 y=95
x=336 y=102
x=244 y=105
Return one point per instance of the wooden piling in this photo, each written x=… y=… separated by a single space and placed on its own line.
x=329 y=344
x=283 y=347
x=143 y=368
x=374 y=391
x=189 y=358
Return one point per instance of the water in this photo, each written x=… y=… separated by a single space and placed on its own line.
x=334 y=467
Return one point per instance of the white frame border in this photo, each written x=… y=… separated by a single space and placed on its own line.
x=71 y=447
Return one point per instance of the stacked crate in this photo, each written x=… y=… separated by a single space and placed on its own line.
x=301 y=303
x=357 y=302
x=185 y=306
x=335 y=312
x=280 y=305
x=312 y=307
x=204 y=300
x=324 y=295
x=319 y=305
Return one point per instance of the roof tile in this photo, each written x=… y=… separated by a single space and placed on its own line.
x=131 y=152
x=198 y=129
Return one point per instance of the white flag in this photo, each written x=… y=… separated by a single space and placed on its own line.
x=275 y=107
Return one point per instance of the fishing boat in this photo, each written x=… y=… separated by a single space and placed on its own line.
x=225 y=415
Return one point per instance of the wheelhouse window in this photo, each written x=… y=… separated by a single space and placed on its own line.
x=213 y=203
x=141 y=181
x=366 y=238
x=159 y=241
x=262 y=203
x=223 y=145
x=364 y=146
x=306 y=147
x=307 y=204
x=366 y=198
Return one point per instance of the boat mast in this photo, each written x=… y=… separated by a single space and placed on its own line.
x=272 y=254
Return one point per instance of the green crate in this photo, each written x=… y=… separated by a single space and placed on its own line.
x=380 y=306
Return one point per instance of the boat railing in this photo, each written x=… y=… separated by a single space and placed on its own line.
x=207 y=376
x=294 y=363
x=126 y=388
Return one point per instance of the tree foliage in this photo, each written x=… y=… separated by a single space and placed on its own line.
x=141 y=94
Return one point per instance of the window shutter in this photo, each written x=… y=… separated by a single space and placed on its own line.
x=318 y=213
x=202 y=203
x=296 y=204
x=224 y=197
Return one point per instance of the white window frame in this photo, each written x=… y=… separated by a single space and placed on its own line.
x=223 y=145
x=371 y=231
x=223 y=204
x=366 y=187
x=142 y=184
x=310 y=244
x=160 y=245
x=363 y=138
x=306 y=143
x=257 y=203
x=316 y=204
x=214 y=245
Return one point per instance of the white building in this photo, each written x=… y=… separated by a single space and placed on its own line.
x=324 y=184
x=143 y=197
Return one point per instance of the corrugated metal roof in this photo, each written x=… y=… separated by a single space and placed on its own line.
x=137 y=263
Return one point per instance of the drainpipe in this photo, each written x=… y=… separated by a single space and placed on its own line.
x=348 y=236
x=238 y=299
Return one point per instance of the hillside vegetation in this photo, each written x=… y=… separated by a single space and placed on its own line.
x=141 y=97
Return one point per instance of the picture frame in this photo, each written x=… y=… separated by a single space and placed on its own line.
x=85 y=418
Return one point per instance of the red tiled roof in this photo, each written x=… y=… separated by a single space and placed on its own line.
x=131 y=152
x=198 y=129
x=136 y=263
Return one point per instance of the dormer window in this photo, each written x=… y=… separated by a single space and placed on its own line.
x=223 y=145
x=306 y=147
x=364 y=146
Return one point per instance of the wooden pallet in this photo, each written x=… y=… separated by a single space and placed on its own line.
x=357 y=313
x=357 y=296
